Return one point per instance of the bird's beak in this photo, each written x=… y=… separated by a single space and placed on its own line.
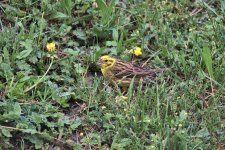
x=99 y=63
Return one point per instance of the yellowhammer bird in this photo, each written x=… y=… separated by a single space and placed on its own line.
x=121 y=73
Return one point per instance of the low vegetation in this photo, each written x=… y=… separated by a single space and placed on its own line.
x=54 y=96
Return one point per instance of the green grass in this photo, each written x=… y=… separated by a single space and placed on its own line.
x=61 y=100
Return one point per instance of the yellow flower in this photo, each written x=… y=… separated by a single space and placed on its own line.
x=124 y=97
x=137 y=51
x=103 y=107
x=180 y=125
x=51 y=47
x=81 y=134
x=191 y=29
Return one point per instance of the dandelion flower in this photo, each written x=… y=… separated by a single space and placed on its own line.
x=137 y=51
x=180 y=125
x=81 y=134
x=191 y=29
x=51 y=47
x=103 y=107
x=124 y=97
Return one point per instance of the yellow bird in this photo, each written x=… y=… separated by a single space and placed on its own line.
x=121 y=73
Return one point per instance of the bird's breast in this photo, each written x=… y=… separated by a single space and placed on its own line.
x=106 y=73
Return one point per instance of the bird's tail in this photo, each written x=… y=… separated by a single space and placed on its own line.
x=154 y=72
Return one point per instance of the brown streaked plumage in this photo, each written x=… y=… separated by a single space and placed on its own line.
x=121 y=73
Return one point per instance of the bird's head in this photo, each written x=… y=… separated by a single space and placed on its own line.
x=106 y=62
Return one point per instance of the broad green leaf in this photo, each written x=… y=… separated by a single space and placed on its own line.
x=67 y=6
x=108 y=126
x=92 y=138
x=6 y=54
x=7 y=69
x=37 y=118
x=24 y=54
x=10 y=116
x=25 y=78
x=122 y=143
x=111 y=43
x=99 y=52
x=21 y=13
x=202 y=133
x=120 y=44
x=207 y=58
x=31 y=131
x=130 y=89
x=17 y=108
x=22 y=125
x=6 y=132
x=80 y=34
x=183 y=115
x=125 y=142
x=105 y=11
x=37 y=141
x=146 y=119
x=27 y=44
x=71 y=51
x=60 y=15
x=63 y=102
x=108 y=116
x=115 y=34
x=3 y=104
x=75 y=124
x=79 y=68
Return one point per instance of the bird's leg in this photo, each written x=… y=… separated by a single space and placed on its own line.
x=116 y=86
x=124 y=89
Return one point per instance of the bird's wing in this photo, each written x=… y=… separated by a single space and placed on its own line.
x=125 y=73
x=128 y=70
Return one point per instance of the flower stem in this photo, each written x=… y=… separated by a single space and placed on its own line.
x=40 y=80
